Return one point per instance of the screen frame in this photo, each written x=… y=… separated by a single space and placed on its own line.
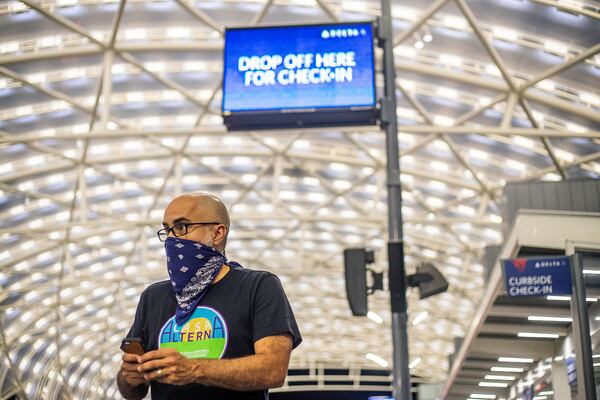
x=309 y=116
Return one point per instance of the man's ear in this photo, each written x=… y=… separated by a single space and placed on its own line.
x=221 y=234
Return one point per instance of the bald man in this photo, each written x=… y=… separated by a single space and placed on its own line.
x=214 y=330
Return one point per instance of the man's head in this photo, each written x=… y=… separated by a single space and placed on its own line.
x=195 y=208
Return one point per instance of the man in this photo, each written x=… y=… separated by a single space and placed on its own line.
x=215 y=330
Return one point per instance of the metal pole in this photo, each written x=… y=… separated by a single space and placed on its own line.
x=581 y=332
x=397 y=273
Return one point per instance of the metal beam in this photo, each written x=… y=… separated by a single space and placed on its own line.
x=468 y=14
x=323 y=6
x=557 y=69
x=201 y=16
x=433 y=8
x=219 y=131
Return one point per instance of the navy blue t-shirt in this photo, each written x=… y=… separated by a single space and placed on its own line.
x=241 y=308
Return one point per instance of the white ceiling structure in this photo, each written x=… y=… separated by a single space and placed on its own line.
x=108 y=109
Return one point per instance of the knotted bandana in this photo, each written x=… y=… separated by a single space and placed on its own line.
x=192 y=268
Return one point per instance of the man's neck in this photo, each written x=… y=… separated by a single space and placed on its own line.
x=222 y=272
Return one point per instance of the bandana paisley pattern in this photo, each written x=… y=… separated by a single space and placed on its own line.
x=192 y=267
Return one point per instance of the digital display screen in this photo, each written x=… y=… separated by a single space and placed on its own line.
x=298 y=67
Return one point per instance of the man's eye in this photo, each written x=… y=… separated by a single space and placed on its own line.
x=179 y=228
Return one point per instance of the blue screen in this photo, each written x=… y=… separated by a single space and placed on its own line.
x=296 y=67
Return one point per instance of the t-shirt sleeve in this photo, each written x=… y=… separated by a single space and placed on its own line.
x=137 y=330
x=273 y=314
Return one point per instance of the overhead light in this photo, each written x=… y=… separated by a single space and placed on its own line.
x=375 y=317
x=549 y=319
x=419 y=318
x=500 y=377
x=134 y=34
x=538 y=335
x=515 y=360
x=414 y=363
x=555 y=47
x=591 y=271
x=523 y=141
x=516 y=165
x=505 y=33
x=447 y=92
x=568 y=298
x=377 y=360
x=452 y=22
x=564 y=155
x=482 y=396
x=451 y=60
x=178 y=32
x=506 y=369
x=482 y=155
x=545 y=393
x=493 y=384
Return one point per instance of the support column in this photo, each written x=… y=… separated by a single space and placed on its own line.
x=397 y=273
x=560 y=381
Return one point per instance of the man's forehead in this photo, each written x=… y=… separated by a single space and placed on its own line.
x=186 y=207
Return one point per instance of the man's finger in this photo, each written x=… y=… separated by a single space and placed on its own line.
x=130 y=367
x=159 y=373
x=155 y=354
x=133 y=375
x=154 y=364
x=130 y=358
x=166 y=375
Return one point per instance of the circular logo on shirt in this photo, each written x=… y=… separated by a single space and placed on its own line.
x=203 y=335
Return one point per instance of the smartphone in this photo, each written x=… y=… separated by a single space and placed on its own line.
x=132 y=346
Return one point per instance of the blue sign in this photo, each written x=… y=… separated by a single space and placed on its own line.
x=539 y=276
x=298 y=67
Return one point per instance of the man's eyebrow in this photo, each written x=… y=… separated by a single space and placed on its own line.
x=177 y=221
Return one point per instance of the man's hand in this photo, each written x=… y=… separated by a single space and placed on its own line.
x=129 y=370
x=167 y=366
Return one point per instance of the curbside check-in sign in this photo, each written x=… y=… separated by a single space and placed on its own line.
x=539 y=276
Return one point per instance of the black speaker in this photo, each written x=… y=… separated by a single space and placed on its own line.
x=434 y=285
x=355 y=271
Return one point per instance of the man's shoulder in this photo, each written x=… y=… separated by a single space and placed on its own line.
x=252 y=274
x=158 y=289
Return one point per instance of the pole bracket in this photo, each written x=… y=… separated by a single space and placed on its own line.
x=386 y=112
x=380 y=32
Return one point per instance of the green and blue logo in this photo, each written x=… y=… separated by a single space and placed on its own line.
x=203 y=335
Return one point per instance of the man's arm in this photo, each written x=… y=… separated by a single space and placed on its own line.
x=267 y=368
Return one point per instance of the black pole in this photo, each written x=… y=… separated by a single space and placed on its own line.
x=581 y=331
x=397 y=273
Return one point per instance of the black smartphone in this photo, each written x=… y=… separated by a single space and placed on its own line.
x=132 y=346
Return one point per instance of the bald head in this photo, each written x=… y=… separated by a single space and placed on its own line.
x=200 y=207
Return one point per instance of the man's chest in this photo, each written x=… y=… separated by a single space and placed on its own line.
x=218 y=328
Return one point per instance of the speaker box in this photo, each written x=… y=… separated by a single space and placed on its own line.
x=355 y=271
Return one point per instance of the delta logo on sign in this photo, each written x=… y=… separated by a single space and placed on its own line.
x=537 y=276
x=520 y=264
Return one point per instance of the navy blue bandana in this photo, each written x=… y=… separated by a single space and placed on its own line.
x=192 y=268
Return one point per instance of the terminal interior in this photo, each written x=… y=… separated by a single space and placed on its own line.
x=110 y=108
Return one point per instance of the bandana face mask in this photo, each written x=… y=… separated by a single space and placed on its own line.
x=192 y=268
